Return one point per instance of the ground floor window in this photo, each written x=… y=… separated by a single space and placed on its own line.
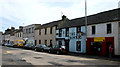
x=60 y=43
x=39 y=41
x=78 y=45
x=50 y=43
x=96 y=46
x=45 y=42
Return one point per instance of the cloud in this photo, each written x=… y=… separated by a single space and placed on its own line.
x=19 y=12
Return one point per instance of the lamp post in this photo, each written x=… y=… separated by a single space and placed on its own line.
x=85 y=24
x=86 y=19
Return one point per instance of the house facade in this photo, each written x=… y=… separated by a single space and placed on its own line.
x=19 y=33
x=102 y=36
x=8 y=36
x=71 y=34
x=29 y=32
x=46 y=33
x=103 y=32
x=72 y=38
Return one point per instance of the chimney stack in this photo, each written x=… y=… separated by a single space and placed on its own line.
x=63 y=17
x=20 y=27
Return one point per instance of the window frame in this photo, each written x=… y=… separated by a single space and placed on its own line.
x=109 y=30
x=51 y=29
x=67 y=32
x=78 y=29
x=93 y=30
x=45 y=31
x=78 y=48
x=60 y=32
x=39 y=41
x=39 y=31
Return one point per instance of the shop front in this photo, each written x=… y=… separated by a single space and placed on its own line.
x=99 y=45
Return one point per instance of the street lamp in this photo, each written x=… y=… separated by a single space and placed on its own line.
x=85 y=24
x=86 y=19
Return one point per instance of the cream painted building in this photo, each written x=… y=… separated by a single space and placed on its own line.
x=19 y=34
x=46 y=33
x=29 y=32
x=104 y=32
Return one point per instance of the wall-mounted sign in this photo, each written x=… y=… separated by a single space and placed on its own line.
x=99 y=39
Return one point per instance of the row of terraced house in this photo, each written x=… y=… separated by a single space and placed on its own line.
x=103 y=29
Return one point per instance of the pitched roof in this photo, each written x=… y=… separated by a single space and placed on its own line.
x=103 y=17
x=54 y=23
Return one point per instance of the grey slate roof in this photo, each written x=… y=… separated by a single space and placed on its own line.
x=54 y=23
x=103 y=17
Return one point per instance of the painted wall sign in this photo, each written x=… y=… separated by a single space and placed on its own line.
x=99 y=39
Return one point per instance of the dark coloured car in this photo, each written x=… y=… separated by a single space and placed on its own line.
x=41 y=47
x=58 y=50
x=29 y=46
x=10 y=44
x=3 y=44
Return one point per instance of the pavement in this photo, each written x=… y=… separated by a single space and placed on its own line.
x=18 y=56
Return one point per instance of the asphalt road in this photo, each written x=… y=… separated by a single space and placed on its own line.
x=18 y=56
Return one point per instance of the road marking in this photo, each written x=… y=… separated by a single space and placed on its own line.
x=8 y=52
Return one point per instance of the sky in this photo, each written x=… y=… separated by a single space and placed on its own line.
x=25 y=12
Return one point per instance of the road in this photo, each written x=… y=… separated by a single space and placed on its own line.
x=18 y=56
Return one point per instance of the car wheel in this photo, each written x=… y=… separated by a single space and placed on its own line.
x=35 y=49
x=42 y=50
x=49 y=51
x=58 y=52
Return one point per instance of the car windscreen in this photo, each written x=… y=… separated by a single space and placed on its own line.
x=43 y=45
x=20 y=42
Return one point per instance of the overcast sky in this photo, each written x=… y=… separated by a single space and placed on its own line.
x=25 y=12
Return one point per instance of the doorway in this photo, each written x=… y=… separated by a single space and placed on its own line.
x=67 y=45
x=35 y=42
x=107 y=47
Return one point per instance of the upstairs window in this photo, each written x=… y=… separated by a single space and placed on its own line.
x=51 y=30
x=45 y=31
x=93 y=29
x=32 y=29
x=29 y=30
x=78 y=29
x=20 y=34
x=109 y=28
x=60 y=33
x=67 y=32
x=56 y=27
x=39 y=31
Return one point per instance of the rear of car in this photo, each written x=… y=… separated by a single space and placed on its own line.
x=41 y=47
x=58 y=50
x=20 y=43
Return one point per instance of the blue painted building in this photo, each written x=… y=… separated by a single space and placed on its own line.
x=72 y=36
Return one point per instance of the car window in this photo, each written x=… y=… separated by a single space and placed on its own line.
x=43 y=45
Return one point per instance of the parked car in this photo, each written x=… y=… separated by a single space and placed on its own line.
x=3 y=43
x=18 y=43
x=6 y=44
x=58 y=50
x=29 y=46
x=9 y=45
x=41 y=47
